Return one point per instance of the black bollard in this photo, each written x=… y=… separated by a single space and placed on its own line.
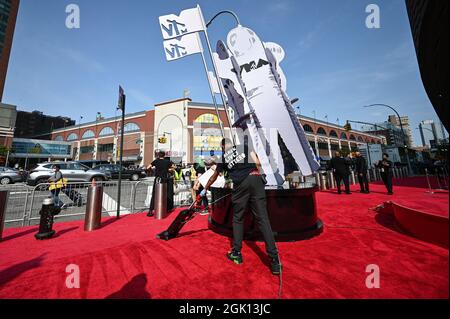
x=48 y=212
x=3 y=203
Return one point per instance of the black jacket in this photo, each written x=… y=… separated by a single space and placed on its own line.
x=386 y=167
x=360 y=165
x=340 y=166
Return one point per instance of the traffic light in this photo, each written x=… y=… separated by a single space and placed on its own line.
x=162 y=140
x=347 y=127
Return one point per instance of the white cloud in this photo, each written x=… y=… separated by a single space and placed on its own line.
x=82 y=59
x=140 y=97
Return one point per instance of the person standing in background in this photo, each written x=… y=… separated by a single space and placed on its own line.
x=56 y=181
x=341 y=170
x=200 y=169
x=386 y=166
x=361 y=170
x=162 y=168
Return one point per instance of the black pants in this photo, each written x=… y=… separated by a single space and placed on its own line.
x=252 y=192
x=387 y=180
x=363 y=181
x=170 y=194
x=342 y=178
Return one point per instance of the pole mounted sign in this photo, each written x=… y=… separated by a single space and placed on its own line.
x=188 y=21
x=183 y=46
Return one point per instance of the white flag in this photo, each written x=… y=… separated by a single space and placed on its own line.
x=183 y=46
x=189 y=21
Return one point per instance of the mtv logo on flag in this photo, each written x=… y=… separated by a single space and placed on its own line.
x=189 y=21
x=183 y=46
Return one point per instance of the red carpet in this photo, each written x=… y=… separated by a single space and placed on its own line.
x=423 y=215
x=124 y=260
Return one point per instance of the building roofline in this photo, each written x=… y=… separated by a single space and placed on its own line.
x=104 y=121
x=302 y=117
x=208 y=105
x=173 y=101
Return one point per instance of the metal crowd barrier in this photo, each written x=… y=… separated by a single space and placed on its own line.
x=24 y=202
x=143 y=194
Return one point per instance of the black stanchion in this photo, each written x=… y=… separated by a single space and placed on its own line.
x=3 y=204
x=48 y=212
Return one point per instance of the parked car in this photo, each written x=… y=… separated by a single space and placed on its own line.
x=9 y=176
x=127 y=173
x=73 y=171
x=92 y=163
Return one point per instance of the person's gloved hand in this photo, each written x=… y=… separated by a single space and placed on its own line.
x=203 y=193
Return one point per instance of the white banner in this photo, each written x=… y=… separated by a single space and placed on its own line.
x=189 y=21
x=180 y=47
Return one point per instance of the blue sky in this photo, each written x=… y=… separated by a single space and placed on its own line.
x=333 y=63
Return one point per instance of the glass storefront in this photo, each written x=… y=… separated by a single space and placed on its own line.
x=26 y=148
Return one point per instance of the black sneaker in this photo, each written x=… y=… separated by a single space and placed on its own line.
x=235 y=256
x=275 y=266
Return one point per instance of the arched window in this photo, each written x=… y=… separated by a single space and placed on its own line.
x=72 y=137
x=207 y=118
x=106 y=131
x=88 y=134
x=59 y=138
x=131 y=127
x=321 y=131
x=333 y=134
x=352 y=137
x=343 y=136
x=308 y=128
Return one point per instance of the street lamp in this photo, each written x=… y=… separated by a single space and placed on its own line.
x=401 y=128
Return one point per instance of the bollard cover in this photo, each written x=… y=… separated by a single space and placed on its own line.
x=48 y=201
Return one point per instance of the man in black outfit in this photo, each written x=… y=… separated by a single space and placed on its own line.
x=162 y=167
x=386 y=173
x=341 y=171
x=243 y=166
x=361 y=170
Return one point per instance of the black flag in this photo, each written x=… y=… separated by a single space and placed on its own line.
x=121 y=104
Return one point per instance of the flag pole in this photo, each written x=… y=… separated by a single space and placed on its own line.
x=222 y=93
x=122 y=99
x=212 y=90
